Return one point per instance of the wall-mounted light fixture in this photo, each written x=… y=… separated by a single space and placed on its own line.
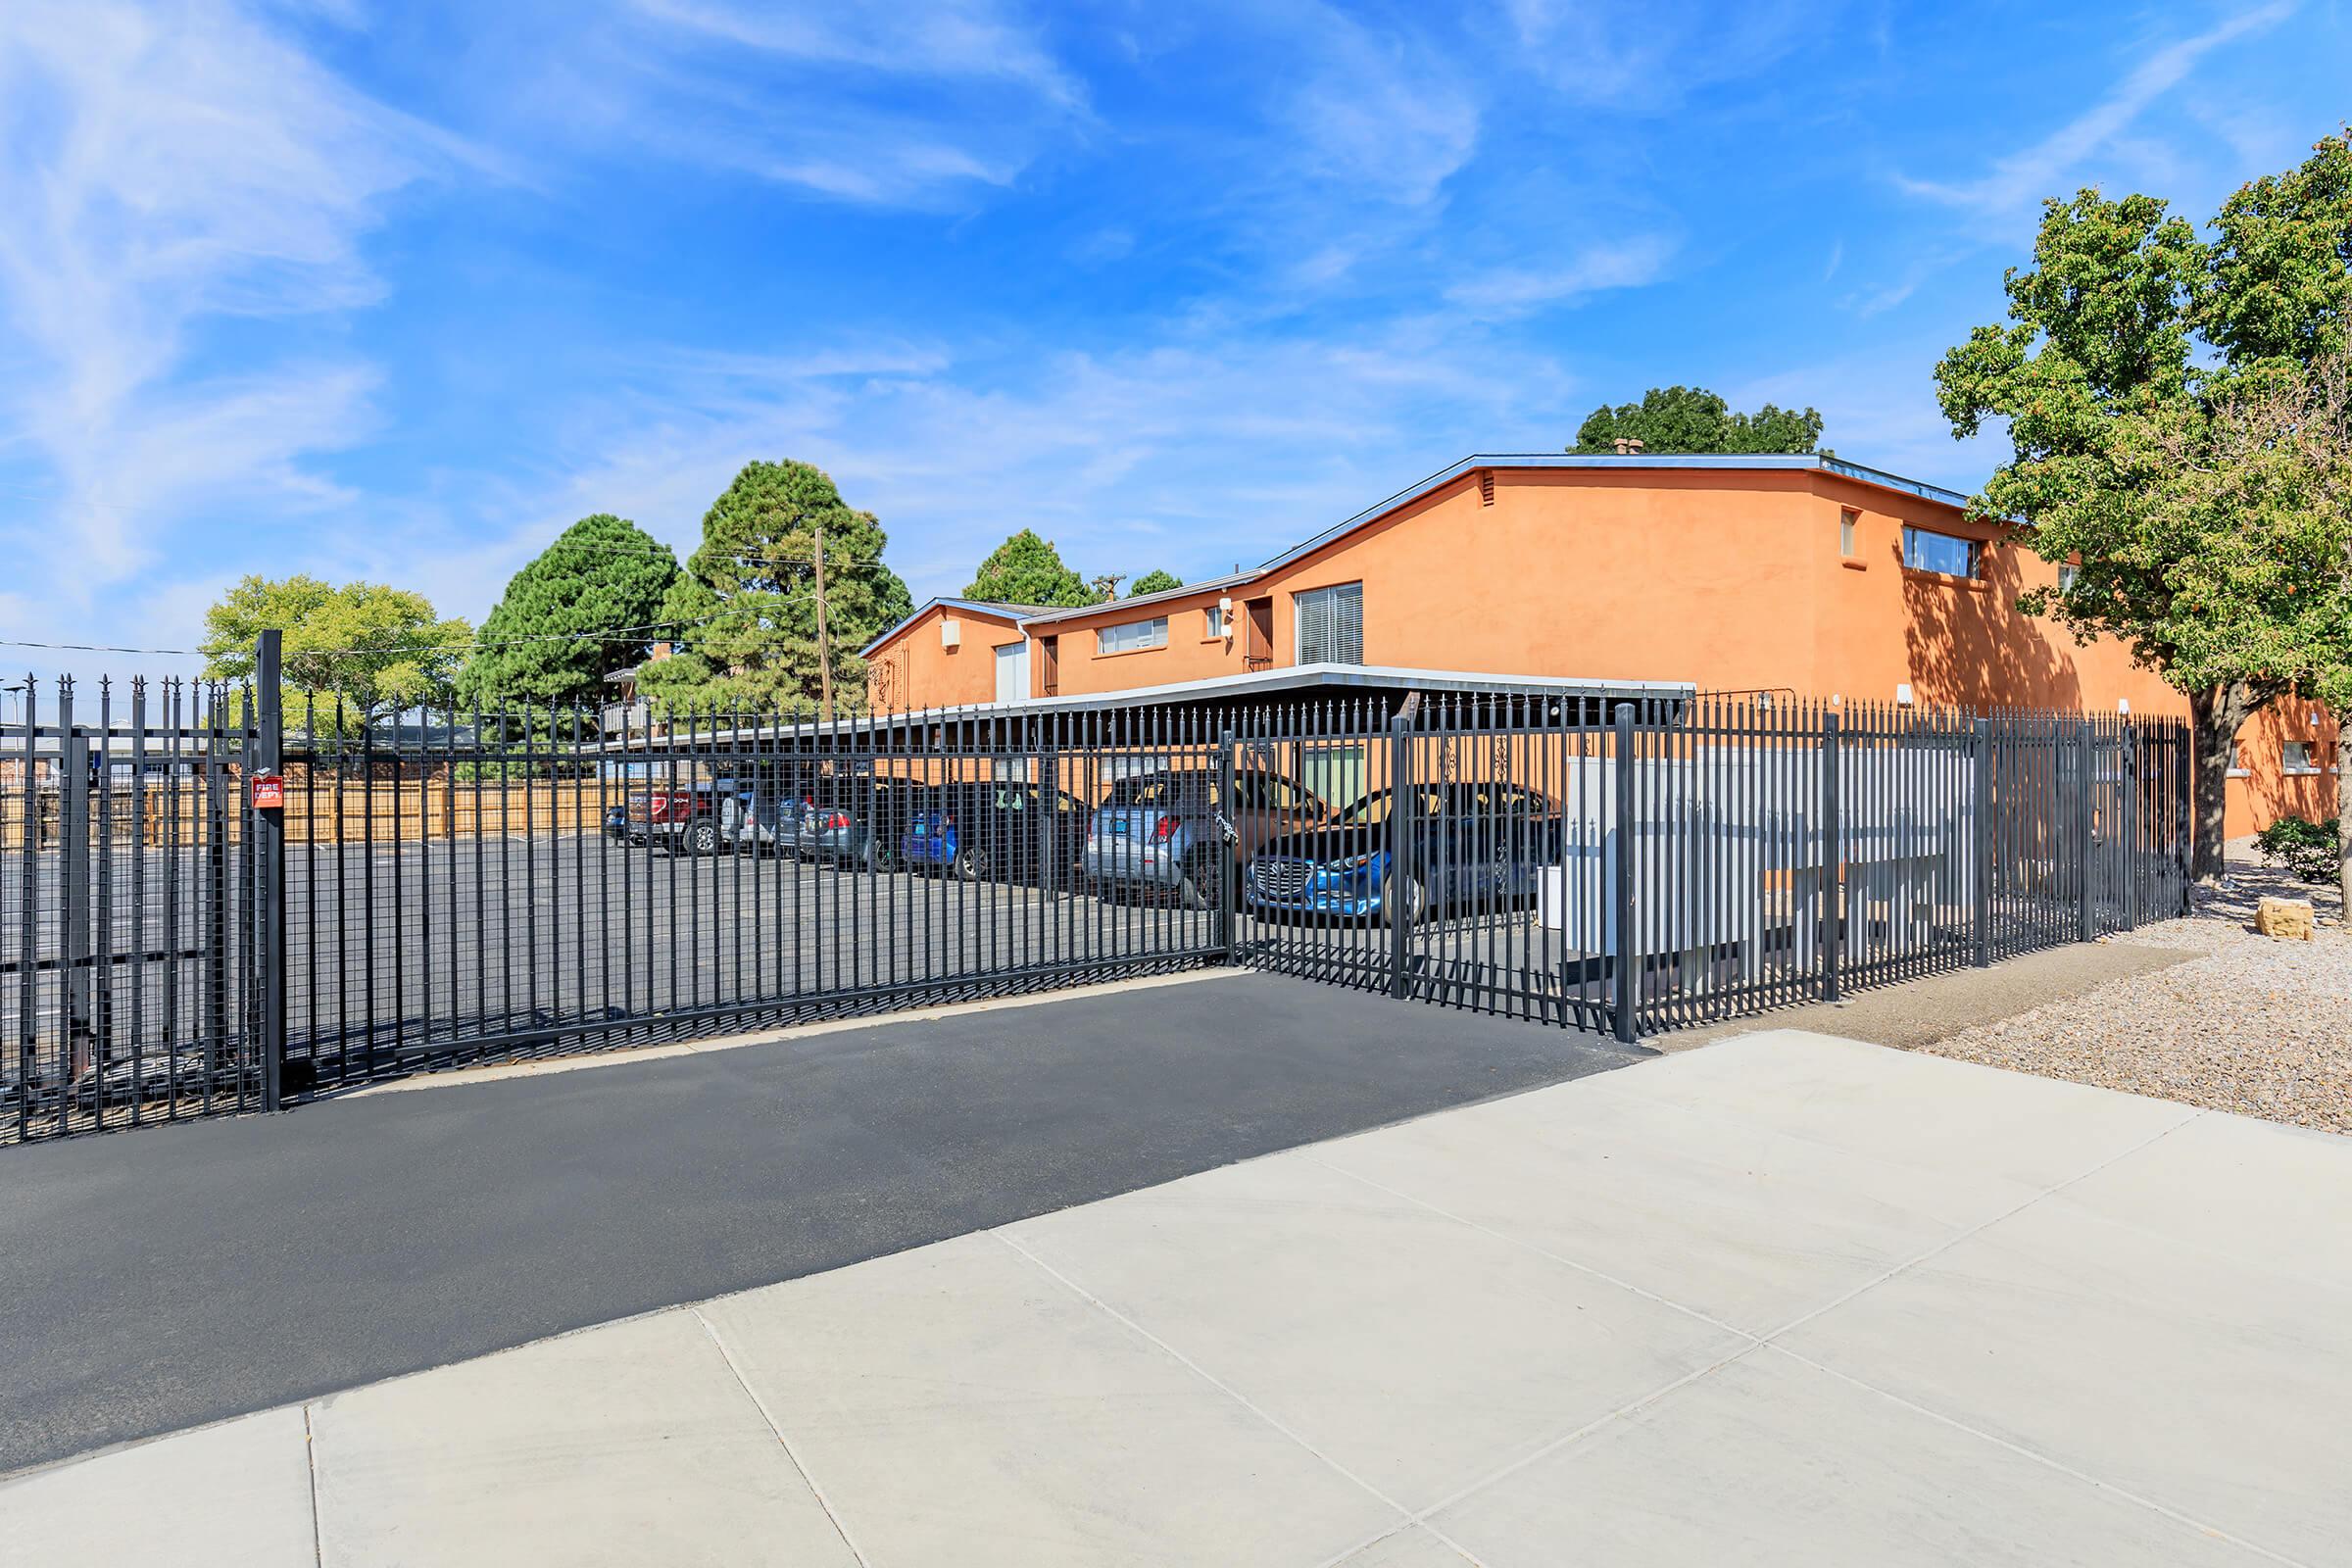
x=951 y=633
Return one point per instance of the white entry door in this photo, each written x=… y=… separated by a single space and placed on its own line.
x=1012 y=672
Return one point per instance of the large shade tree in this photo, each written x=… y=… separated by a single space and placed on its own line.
x=745 y=606
x=1154 y=581
x=2147 y=379
x=585 y=606
x=1694 y=420
x=1028 y=571
x=353 y=653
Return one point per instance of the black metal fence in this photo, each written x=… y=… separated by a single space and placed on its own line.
x=505 y=884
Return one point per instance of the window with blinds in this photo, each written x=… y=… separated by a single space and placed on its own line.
x=1331 y=624
x=1132 y=636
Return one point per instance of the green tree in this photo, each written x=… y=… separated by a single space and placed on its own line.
x=1692 y=418
x=1154 y=582
x=2149 y=378
x=371 y=649
x=584 y=607
x=1028 y=571
x=746 y=604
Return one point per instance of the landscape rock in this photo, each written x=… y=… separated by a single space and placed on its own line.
x=2287 y=919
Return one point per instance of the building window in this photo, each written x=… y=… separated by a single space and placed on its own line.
x=1132 y=636
x=2296 y=758
x=1213 y=622
x=2066 y=578
x=1847 y=518
x=1331 y=624
x=2237 y=759
x=1925 y=550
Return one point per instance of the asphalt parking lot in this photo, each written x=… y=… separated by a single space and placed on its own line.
x=157 y=1279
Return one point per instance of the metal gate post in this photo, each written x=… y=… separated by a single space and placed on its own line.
x=1400 y=849
x=2184 y=783
x=270 y=829
x=1229 y=848
x=74 y=871
x=1984 y=846
x=2129 y=763
x=1833 y=866
x=1626 y=952
x=2086 y=756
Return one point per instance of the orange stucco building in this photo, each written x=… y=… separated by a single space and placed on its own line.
x=1802 y=573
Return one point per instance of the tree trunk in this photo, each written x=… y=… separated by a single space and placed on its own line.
x=2343 y=823
x=2216 y=715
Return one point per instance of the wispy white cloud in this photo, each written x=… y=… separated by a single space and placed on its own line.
x=164 y=171
x=1650 y=58
x=911 y=105
x=1377 y=110
x=2018 y=182
x=1618 y=264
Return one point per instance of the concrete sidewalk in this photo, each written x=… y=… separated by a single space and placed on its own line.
x=1787 y=1299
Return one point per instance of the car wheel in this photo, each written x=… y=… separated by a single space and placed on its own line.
x=877 y=856
x=971 y=864
x=1197 y=886
x=1407 y=905
x=704 y=839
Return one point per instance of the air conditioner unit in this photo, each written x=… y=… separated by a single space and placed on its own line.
x=951 y=633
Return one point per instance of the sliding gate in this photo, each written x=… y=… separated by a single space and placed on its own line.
x=1674 y=862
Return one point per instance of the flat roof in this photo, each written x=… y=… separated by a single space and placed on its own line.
x=1289 y=680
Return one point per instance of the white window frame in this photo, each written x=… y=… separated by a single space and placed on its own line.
x=1148 y=634
x=1212 y=622
x=1849 y=525
x=2311 y=760
x=1303 y=607
x=2066 y=576
x=1976 y=553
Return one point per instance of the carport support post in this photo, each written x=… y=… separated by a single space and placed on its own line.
x=270 y=838
x=1984 y=839
x=1625 y=958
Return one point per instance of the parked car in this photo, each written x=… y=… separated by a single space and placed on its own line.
x=979 y=831
x=1160 y=831
x=846 y=821
x=684 y=819
x=1469 y=842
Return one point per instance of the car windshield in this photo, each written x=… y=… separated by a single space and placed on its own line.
x=1184 y=792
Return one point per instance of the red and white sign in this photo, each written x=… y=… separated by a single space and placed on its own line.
x=269 y=792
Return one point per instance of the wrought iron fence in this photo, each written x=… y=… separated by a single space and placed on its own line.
x=501 y=884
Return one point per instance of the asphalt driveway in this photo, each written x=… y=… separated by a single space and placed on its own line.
x=154 y=1279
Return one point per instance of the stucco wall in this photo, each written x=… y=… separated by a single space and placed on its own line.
x=1730 y=579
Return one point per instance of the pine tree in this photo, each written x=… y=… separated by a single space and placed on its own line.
x=1154 y=581
x=746 y=603
x=1028 y=571
x=584 y=607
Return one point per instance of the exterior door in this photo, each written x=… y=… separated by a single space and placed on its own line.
x=1012 y=672
x=1257 y=633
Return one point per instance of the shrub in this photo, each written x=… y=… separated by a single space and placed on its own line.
x=2306 y=848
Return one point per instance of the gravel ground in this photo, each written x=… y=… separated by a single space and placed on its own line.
x=2251 y=1025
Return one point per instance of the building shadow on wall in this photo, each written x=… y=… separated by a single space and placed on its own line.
x=1970 y=645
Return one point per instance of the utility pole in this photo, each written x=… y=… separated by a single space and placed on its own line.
x=824 y=642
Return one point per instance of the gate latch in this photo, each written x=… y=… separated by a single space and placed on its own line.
x=269 y=792
x=1233 y=834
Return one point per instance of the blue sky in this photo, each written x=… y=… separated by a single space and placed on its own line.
x=398 y=291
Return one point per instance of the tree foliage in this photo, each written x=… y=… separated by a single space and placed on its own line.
x=746 y=603
x=371 y=649
x=1154 y=581
x=581 y=609
x=1692 y=418
x=1028 y=571
x=2175 y=408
